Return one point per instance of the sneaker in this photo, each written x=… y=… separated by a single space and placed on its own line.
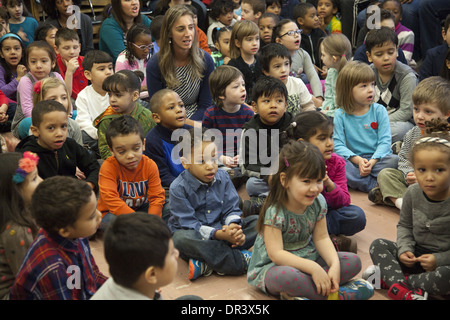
x=198 y=268
x=356 y=289
x=247 y=257
x=396 y=146
x=286 y=296
x=343 y=243
x=370 y=275
x=252 y=206
x=375 y=196
x=400 y=291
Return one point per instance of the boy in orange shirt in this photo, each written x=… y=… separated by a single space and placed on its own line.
x=128 y=181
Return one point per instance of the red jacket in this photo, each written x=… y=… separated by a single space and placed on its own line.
x=79 y=81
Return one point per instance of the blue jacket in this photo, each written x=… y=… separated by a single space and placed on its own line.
x=158 y=147
x=433 y=62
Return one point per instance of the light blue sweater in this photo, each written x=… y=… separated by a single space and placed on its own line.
x=368 y=134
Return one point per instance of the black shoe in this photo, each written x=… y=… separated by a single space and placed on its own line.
x=375 y=196
x=252 y=206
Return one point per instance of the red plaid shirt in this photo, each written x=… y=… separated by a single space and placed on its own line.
x=45 y=272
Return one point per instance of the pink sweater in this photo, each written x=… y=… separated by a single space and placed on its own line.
x=339 y=197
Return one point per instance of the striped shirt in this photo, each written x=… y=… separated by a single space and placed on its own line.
x=230 y=124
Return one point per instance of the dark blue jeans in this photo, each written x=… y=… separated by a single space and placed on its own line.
x=367 y=183
x=217 y=254
x=346 y=220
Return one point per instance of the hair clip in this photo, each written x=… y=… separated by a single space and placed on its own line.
x=26 y=165
x=286 y=162
x=37 y=87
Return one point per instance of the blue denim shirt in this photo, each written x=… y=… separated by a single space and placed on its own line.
x=203 y=207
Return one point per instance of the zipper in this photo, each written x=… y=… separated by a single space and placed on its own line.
x=57 y=161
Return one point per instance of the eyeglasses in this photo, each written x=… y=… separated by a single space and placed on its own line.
x=293 y=32
x=143 y=47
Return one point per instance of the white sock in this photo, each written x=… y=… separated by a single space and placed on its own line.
x=398 y=203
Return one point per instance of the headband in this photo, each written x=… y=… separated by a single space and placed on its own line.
x=10 y=35
x=26 y=165
x=433 y=139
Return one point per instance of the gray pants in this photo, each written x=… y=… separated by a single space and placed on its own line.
x=384 y=253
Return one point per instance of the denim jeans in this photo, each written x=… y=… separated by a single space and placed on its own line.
x=257 y=187
x=110 y=217
x=346 y=220
x=399 y=129
x=218 y=254
x=367 y=183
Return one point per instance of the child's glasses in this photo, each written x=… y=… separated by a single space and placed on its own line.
x=143 y=47
x=293 y=32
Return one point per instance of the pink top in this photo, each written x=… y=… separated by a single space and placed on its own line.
x=339 y=197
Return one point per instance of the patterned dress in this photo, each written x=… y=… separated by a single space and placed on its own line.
x=296 y=232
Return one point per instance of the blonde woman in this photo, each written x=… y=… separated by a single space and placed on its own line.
x=180 y=65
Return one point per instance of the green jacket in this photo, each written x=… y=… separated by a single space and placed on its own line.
x=140 y=113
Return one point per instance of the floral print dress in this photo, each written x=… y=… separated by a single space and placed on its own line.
x=296 y=233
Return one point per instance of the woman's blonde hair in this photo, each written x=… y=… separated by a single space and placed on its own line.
x=47 y=84
x=339 y=46
x=352 y=74
x=241 y=29
x=166 y=54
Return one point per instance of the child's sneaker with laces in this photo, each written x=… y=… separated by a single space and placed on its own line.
x=247 y=257
x=400 y=291
x=198 y=268
x=356 y=289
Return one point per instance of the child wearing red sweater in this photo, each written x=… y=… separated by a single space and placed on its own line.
x=343 y=218
x=128 y=181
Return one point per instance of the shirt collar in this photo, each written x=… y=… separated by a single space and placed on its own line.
x=195 y=183
x=65 y=243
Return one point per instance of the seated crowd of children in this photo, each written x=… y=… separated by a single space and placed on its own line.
x=297 y=115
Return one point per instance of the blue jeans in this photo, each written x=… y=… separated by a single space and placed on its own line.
x=218 y=254
x=399 y=129
x=257 y=187
x=367 y=183
x=110 y=217
x=346 y=220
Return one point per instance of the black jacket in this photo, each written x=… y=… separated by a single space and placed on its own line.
x=254 y=154
x=64 y=161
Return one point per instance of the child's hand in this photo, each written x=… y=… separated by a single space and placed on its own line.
x=79 y=174
x=317 y=101
x=427 y=261
x=72 y=65
x=3 y=115
x=22 y=35
x=322 y=22
x=408 y=259
x=229 y=161
x=321 y=280
x=411 y=178
x=363 y=165
x=21 y=71
x=233 y=234
x=333 y=274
